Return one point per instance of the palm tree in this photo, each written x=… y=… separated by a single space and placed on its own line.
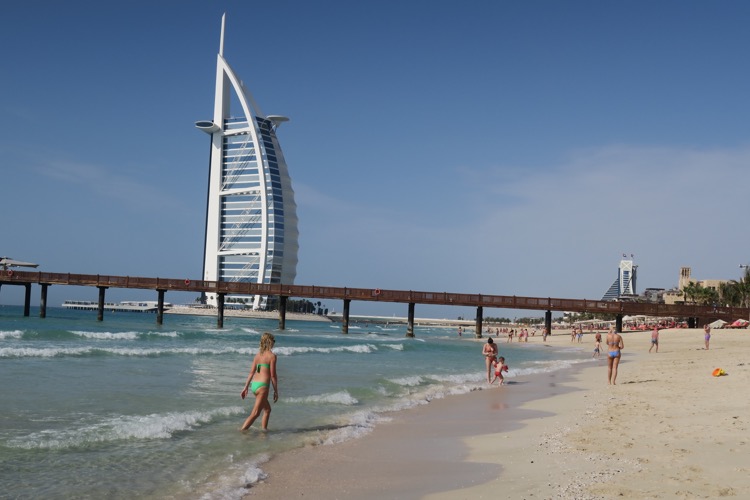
x=743 y=289
x=737 y=293
x=690 y=292
x=730 y=294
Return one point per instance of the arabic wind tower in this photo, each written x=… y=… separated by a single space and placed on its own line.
x=251 y=217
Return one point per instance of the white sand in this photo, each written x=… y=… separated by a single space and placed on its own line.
x=669 y=429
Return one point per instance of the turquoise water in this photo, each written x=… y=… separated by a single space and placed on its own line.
x=124 y=408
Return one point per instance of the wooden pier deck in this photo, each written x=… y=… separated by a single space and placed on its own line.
x=694 y=313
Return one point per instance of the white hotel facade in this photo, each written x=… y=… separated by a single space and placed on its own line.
x=251 y=223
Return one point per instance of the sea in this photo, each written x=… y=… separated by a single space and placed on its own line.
x=126 y=408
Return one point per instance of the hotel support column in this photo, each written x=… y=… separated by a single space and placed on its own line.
x=100 y=307
x=27 y=299
x=220 y=307
x=43 y=301
x=160 y=308
x=478 y=327
x=345 y=317
x=548 y=322
x=618 y=323
x=410 y=323
x=282 y=312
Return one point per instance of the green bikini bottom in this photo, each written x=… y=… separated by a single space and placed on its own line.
x=254 y=386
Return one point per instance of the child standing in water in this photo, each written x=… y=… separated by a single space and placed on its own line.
x=500 y=367
x=597 y=346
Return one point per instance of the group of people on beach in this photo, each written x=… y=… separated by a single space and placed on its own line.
x=262 y=376
x=522 y=334
x=615 y=343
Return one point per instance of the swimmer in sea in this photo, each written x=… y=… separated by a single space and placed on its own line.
x=261 y=374
x=614 y=346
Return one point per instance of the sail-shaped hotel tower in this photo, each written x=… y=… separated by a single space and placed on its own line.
x=251 y=218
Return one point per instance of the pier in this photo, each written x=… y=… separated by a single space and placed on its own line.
x=695 y=314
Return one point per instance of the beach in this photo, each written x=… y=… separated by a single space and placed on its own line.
x=668 y=429
x=127 y=398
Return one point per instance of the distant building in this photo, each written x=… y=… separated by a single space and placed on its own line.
x=676 y=296
x=251 y=222
x=624 y=284
x=654 y=295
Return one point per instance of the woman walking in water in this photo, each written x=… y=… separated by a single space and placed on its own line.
x=262 y=372
x=489 y=351
x=614 y=345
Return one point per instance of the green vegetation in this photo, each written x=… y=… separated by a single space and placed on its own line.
x=733 y=293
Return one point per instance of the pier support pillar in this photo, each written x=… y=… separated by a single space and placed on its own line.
x=27 y=299
x=618 y=323
x=478 y=327
x=100 y=307
x=282 y=312
x=410 y=321
x=548 y=322
x=43 y=301
x=691 y=322
x=160 y=308
x=345 y=317
x=220 y=307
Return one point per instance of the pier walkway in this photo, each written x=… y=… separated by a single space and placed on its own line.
x=694 y=313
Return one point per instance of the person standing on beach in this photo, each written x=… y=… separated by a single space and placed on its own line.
x=654 y=339
x=489 y=351
x=615 y=345
x=707 y=336
x=262 y=372
x=597 y=344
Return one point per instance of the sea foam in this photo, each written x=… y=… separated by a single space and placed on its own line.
x=341 y=398
x=107 y=335
x=11 y=334
x=140 y=427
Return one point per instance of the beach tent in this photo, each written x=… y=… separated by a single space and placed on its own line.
x=740 y=322
x=719 y=323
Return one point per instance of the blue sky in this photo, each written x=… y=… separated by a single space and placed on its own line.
x=489 y=147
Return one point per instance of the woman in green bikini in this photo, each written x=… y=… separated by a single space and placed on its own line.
x=262 y=372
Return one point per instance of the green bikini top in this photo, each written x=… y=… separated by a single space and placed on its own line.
x=262 y=364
